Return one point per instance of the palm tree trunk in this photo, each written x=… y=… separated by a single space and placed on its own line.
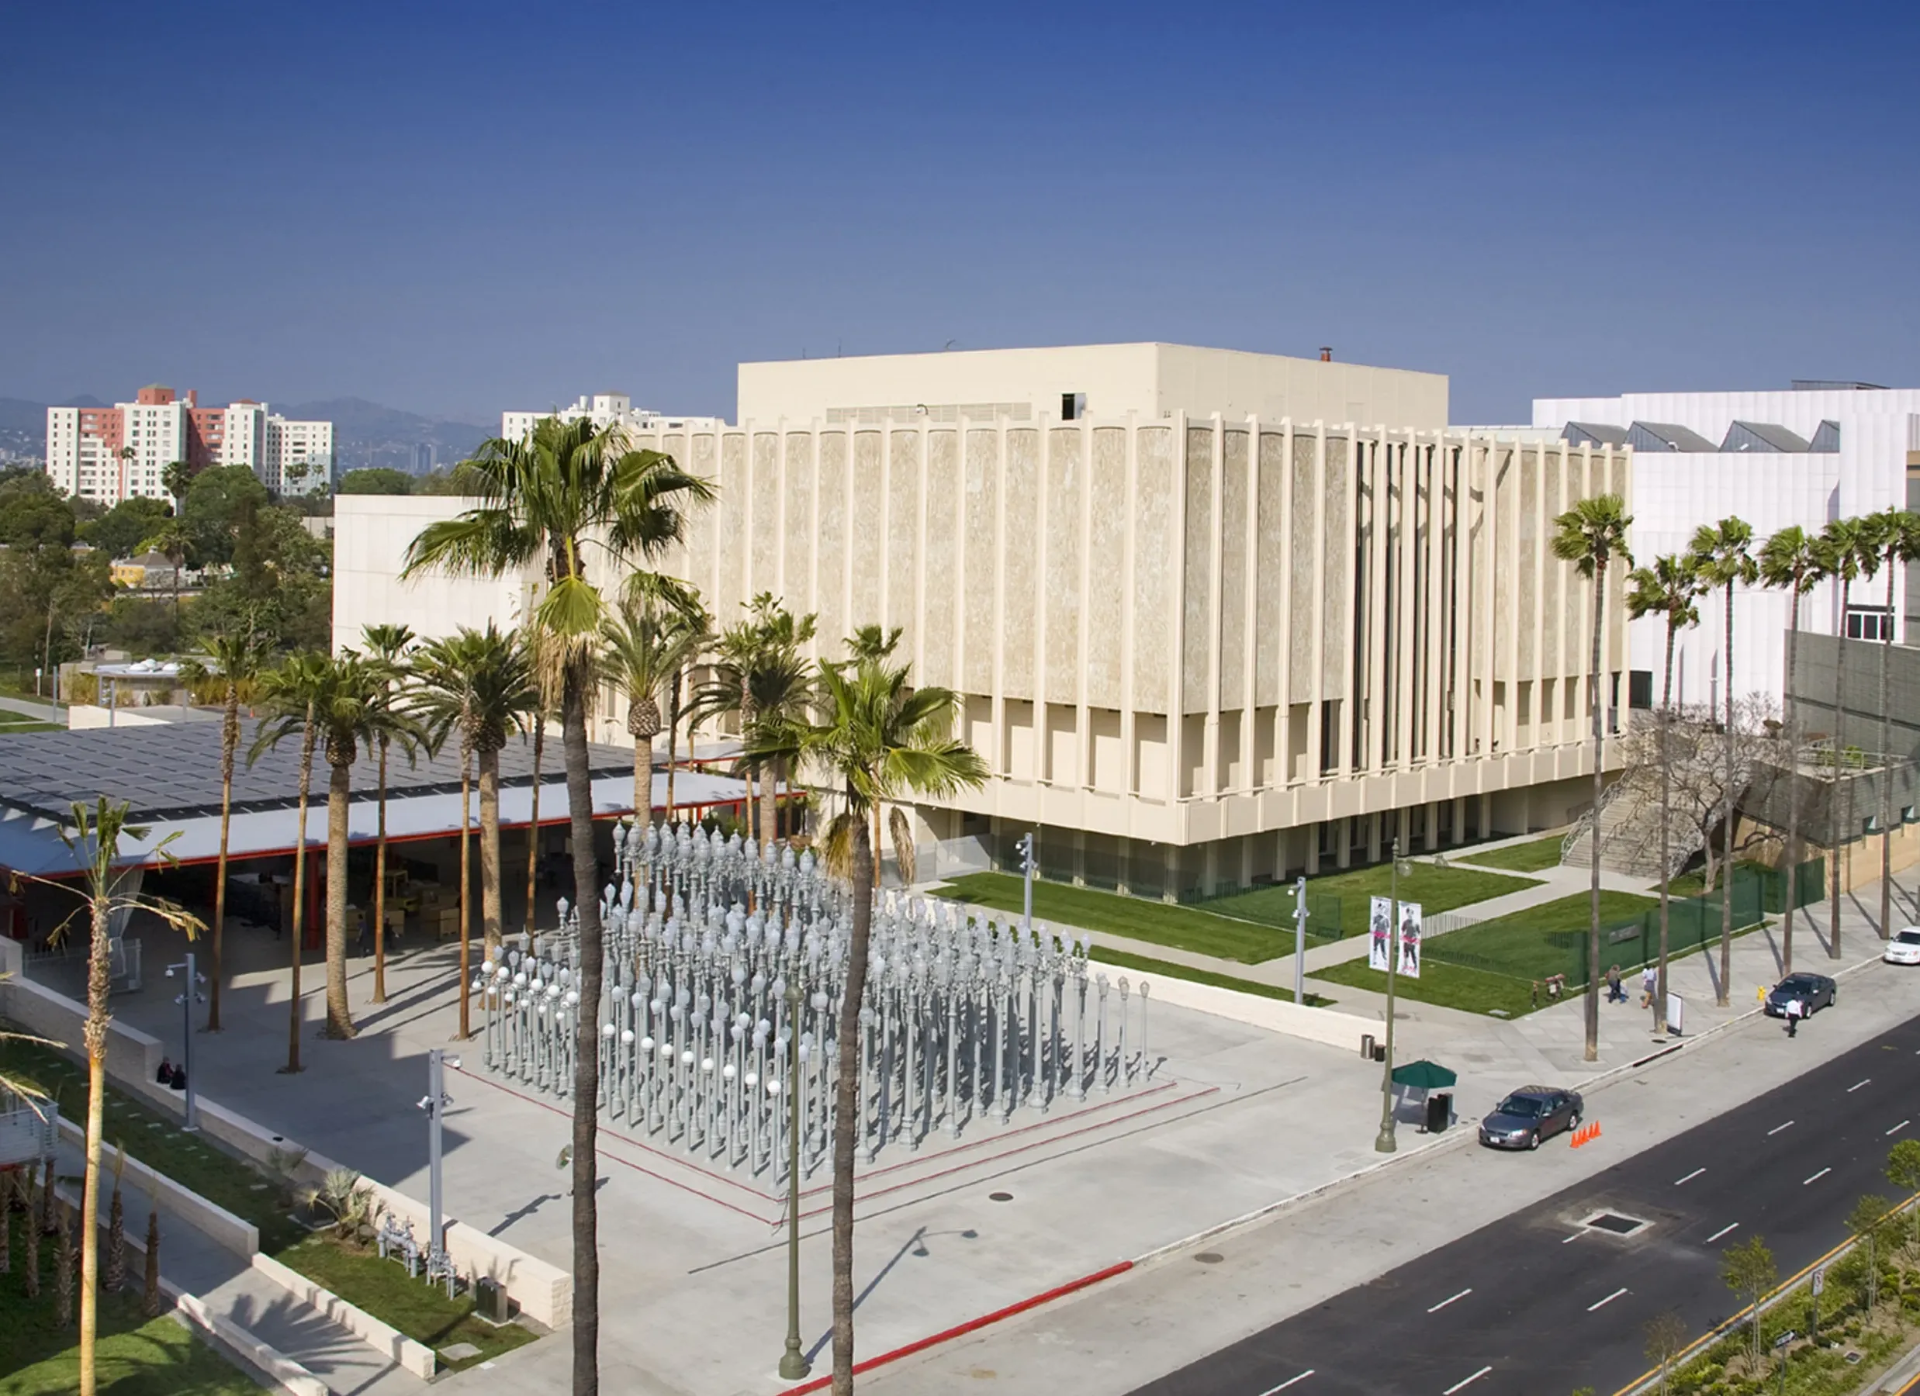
x=877 y=860
x=1886 y=765
x=380 y=886
x=1599 y=782
x=533 y=823
x=299 y=895
x=847 y=1104
x=1793 y=774
x=466 y=876
x=229 y=742
x=769 y=808
x=673 y=741
x=1834 y=831
x=98 y=978
x=1726 y=826
x=490 y=853
x=586 y=1070
x=642 y=781
x=1666 y=830
x=339 y=792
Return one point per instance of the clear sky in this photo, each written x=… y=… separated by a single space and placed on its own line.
x=461 y=208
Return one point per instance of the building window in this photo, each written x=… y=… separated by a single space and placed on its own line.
x=1869 y=623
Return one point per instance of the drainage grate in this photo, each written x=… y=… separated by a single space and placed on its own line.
x=1614 y=1223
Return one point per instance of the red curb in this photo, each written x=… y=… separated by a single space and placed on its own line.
x=972 y=1325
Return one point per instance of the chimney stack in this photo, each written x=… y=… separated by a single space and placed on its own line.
x=1326 y=353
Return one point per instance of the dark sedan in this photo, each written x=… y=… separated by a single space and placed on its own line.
x=1815 y=992
x=1529 y=1115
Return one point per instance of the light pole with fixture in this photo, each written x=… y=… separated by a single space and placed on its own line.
x=1029 y=865
x=187 y=998
x=435 y=1103
x=1384 y=1143
x=793 y=1362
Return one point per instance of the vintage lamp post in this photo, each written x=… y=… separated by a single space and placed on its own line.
x=1384 y=1142
x=793 y=1362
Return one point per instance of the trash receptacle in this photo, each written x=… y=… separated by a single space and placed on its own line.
x=1366 y=1045
x=1439 y=1111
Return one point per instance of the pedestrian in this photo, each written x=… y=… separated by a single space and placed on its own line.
x=1534 y=995
x=1793 y=1011
x=1649 y=986
x=1615 y=994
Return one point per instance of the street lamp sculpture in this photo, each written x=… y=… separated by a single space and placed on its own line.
x=1384 y=1142
x=966 y=1019
x=435 y=1103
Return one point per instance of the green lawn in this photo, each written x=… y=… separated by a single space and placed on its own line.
x=12 y=723
x=1542 y=940
x=1158 y=923
x=1436 y=889
x=1450 y=986
x=1537 y=856
x=1167 y=970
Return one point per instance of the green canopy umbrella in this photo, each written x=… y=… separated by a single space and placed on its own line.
x=1424 y=1076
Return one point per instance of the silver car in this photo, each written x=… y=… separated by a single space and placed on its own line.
x=1529 y=1115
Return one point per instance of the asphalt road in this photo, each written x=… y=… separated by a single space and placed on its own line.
x=1540 y=1304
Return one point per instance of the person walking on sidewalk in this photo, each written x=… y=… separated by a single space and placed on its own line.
x=1649 y=986
x=1615 y=994
x=1793 y=1012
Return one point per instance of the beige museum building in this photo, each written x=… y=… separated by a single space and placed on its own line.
x=1216 y=617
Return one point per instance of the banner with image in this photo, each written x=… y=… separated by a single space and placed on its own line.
x=1383 y=943
x=1379 y=928
x=1410 y=939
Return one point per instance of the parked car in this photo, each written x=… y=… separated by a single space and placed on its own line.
x=1529 y=1115
x=1904 y=948
x=1815 y=992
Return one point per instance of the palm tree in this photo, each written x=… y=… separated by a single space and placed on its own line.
x=387 y=646
x=783 y=690
x=237 y=655
x=1848 y=551
x=699 y=633
x=1667 y=589
x=177 y=479
x=646 y=647
x=1789 y=559
x=1589 y=535
x=1721 y=554
x=1898 y=532
x=874 y=642
x=729 y=690
x=481 y=683
x=877 y=738
x=290 y=695
x=171 y=540
x=544 y=502
x=537 y=720
x=93 y=838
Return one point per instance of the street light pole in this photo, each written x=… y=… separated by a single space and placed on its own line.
x=1384 y=1143
x=435 y=1103
x=187 y=998
x=1300 y=941
x=793 y=1362
x=1028 y=866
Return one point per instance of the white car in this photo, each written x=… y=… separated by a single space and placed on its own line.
x=1904 y=948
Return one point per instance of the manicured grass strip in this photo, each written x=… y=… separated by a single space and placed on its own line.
x=419 y=1310
x=13 y=723
x=1449 y=986
x=1541 y=940
x=1159 y=923
x=1436 y=889
x=1536 y=856
x=1167 y=970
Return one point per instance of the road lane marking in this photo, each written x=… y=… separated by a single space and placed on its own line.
x=1608 y=1300
x=1444 y=1302
x=1902 y=1125
x=1857 y=1085
x=1288 y=1382
x=1777 y=1128
x=1571 y=1239
x=1816 y=1177
x=1689 y=1178
x=1721 y=1232
x=1461 y=1385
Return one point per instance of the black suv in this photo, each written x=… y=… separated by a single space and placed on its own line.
x=1529 y=1115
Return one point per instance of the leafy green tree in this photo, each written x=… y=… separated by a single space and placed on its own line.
x=217 y=502
x=877 y=738
x=1667 y=1335
x=290 y=696
x=1722 y=555
x=119 y=531
x=387 y=644
x=1748 y=1270
x=1903 y=1171
x=177 y=479
x=375 y=480
x=32 y=515
x=1869 y=1222
x=1590 y=535
x=542 y=504
x=172 y=541
x=1789 y=559
x=1669 y=589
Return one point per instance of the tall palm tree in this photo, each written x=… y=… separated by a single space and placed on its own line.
x=289 y=695
x=698 y=626
x=1590 y=535
x=1848 y=551
x=544 y=502
x=647 y=645
x=877 y=739
x=93 y=838
x=177 y=479
x=1789 y=559
x=1898 y=533
x=1669 y=589
x=728 y=690
x=387 y=646
x=537 y=721
x=237 y=656
x=480 y=684
x=783 y=690
x=1722 y=554
x=760 y=677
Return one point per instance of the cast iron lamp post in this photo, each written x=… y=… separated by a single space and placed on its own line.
x=793 y=1362
x=1383 y=1143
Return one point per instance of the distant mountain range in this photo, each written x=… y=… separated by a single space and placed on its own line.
x=365 y=433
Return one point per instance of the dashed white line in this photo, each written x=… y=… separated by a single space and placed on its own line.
x=1816 y=1177
x=1288 y=1382
x=1857 y=1085
x=1461 y=1385
x=1722 y=1232
x=1777 y=1128
x=1689 y=1178
x=1444 y=1302
x=1608 y=1300
x=1902 y=1125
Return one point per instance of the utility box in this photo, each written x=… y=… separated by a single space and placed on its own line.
x=1439 y=1111
x=490 y=1300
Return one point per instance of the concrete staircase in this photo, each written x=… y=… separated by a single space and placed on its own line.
x=1629 y=823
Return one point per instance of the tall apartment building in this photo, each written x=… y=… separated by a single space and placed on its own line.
x=602 y=409
x=1214 y=617
x=109 y=454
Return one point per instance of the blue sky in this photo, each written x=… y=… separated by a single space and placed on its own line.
x=460 y=208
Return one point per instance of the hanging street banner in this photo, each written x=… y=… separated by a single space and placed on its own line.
x=1386 y=943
